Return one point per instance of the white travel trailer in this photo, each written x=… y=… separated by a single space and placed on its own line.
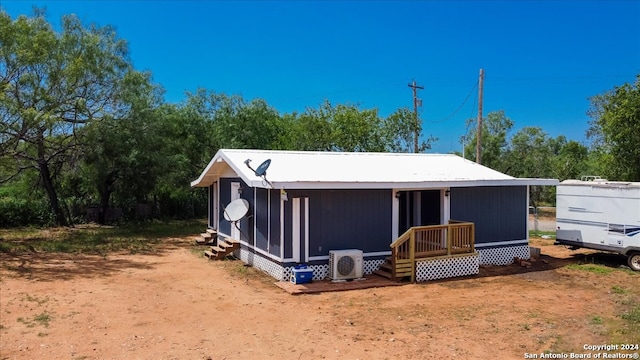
x=598 y=214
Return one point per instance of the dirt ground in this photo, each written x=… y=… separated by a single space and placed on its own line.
x=178 y=305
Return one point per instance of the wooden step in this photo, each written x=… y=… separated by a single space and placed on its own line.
x=383 y=274
x=220 y=248
x=231 y=240
x=386 y=267
x=204 y=241
x=225 y=245
x=217 y=249
x=219 y=256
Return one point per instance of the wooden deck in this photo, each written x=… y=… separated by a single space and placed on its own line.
x=423 y=242
x=369 y=281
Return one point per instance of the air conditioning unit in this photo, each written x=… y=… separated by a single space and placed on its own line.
x=345 y=264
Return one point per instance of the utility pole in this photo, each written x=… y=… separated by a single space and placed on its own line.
x=479 y=132
x=416 y=102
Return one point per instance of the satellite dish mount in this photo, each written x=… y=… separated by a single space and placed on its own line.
x=261 y=171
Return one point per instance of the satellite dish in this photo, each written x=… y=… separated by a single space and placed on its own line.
x=236 y=210
x=262 y=169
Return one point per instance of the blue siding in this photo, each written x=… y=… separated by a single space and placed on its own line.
x=246 y=224
x=274 y=241
x=344 y=219
x=262 y=218
x=499 y=213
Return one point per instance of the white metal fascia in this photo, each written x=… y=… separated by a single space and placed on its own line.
x=409 y=185
x=221 y=156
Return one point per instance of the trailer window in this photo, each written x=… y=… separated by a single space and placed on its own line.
x=616 y=228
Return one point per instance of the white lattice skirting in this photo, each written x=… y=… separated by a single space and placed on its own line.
x=442 y=268
x=259 y=262
x=279 y=272
x=439 y=268
x=503 y=255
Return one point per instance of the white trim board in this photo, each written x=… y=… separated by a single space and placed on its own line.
x=370 y=254
x=502 y=243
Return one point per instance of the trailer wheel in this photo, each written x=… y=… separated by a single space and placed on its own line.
x=634 y=261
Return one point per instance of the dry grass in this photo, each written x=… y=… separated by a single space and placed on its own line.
x=95 y=239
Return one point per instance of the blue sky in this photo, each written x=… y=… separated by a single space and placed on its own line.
x=542 y=59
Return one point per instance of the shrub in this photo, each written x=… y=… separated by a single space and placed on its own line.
x=21 y=212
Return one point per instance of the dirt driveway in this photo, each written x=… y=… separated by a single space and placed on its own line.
x=177 y=305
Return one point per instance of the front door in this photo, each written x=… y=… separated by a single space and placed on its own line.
x=300 y=229
x=418 y=208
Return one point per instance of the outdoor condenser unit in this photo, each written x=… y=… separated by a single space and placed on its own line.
x=345 y=264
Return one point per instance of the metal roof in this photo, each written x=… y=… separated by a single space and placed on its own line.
x=322 y=170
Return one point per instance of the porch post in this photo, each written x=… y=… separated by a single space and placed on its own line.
x=448 y=239
x=395 y=215
x=412 y=254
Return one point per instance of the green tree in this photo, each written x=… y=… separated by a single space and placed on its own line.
x=189 y=142
x=335 y=128
x=312 y=130
x=237 y=123
x=125 y=154
x=53 y=84
x=251 y=125
x=354 y=129
x=569 y=159
x=495 y=128
x=615 y=129
x=597 y=162
x=529 y=154
x=533 y=154
x=346 y=127
x=398 y=130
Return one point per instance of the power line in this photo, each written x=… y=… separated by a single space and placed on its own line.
x=448 y=117
x=468 y=125
x=561 y=78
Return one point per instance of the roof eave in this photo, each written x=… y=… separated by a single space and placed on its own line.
x=199 y=181
x=221 y=156
x=405 y=185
